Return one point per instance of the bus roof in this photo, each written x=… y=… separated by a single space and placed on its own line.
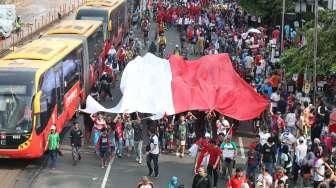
x=40 y=54
x=76 y=27
x=105 y=3
x=102 y=4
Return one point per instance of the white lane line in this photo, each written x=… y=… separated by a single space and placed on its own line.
x=241 y=147
x=107 y=173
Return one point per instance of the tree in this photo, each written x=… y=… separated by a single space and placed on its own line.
x=297 y=59
x=269 y=11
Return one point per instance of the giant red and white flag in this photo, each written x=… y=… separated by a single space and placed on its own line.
x=154 y=85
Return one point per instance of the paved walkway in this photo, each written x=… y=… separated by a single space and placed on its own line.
x=36 y=15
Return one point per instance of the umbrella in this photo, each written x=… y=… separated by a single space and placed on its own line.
x=253 y=30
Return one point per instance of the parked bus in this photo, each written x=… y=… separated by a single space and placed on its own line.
x=41 y=83
x=91 y=34
x=113 y=13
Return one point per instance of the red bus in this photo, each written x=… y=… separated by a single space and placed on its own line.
x=41 y=84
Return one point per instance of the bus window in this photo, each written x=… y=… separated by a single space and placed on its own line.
x=91 y=48
x=70 y=71
x=59 y=88
x=95 y=42
x=48 y=99
x=114 y=24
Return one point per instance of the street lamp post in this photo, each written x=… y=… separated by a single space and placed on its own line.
x=315 y=47
x=282 y=25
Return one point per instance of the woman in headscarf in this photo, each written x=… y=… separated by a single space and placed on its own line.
x=173 y=182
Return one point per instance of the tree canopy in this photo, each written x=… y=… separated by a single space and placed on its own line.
x=270 y=11
x=297 y=59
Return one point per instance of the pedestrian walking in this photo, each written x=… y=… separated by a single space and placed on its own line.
x=201 y=179
x=104 y=146
x=174 y=183
x=182 y=135
x=98 y=124
x=119 y=131
x=229 y=151
x=128 y=135
x=138 y=138
x=145 y=183
x=237 y=180
x=214 y=162
x=153 y=154
x=53 y=146
x=76 y=136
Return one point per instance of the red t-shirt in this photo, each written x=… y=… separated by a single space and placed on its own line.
x=214 y=152
x=276 y=34
x=257 y=59
x=236 y=182
x=119 y=130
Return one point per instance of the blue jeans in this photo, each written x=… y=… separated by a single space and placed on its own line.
x=270 y=167
x=52 y=158
x=120 y=146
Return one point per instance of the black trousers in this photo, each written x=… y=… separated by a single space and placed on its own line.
x=214 y=174
x=155 y=158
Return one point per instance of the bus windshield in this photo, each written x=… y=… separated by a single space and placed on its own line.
x=16 y=88
x=92 y=14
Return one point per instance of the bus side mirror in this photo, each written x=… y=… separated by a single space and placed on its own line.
x=37 y=102
x=109 y=27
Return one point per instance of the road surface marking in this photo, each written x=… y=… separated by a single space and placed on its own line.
x=241 y=147
x=107 y=173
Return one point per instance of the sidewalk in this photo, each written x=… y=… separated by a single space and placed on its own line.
x=36 y=15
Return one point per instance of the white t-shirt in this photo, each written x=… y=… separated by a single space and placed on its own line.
x=300 y=152
x=263 y=137
x=155 y=145
x=287 y=138
x=318 y=170
x=283 y=178
x=290 y=119
x=275 y=99
x=222 y=126
x=264 y=181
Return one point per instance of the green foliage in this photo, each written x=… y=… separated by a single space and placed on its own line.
x=295 y=60
x=269 y=10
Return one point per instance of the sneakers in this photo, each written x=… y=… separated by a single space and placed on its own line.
x=156 y=177
x=177 y=154
x=137 y=159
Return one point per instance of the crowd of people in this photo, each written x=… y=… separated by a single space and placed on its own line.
x=294 y=144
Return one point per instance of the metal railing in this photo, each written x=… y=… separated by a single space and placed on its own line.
x=29 y=30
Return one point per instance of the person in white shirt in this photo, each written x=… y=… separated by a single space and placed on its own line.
x=301 y=150
x=153 y=154
x=264 y=135
x=290 y=120
x=318 y=169
x=275 y=98
x=264 y=179
x=222 y=125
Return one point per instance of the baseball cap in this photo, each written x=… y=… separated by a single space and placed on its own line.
x=53 y=127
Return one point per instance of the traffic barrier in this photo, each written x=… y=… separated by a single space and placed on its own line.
x=29 y=30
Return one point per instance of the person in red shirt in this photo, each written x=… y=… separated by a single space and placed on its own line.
x=121 y=57
x=276 y=34
x=119 y=131
x=214 y=161
x=238 y=180
x=203 y=144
